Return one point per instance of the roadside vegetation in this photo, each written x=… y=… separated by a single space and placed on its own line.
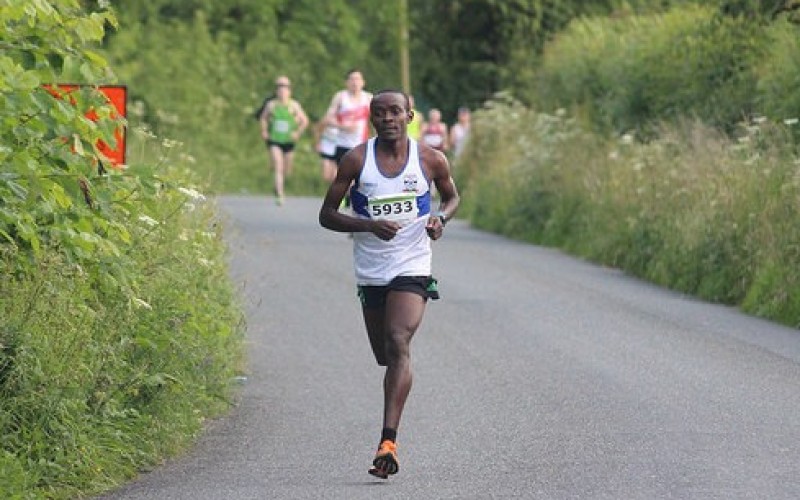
x=690 y=208
x=119 y=327
x=664 y=144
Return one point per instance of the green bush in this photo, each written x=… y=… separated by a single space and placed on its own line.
x=779 y=73
x=633 y=71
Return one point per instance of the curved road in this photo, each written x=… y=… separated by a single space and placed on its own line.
x=536 y=376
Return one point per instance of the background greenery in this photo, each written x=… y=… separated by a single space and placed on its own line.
x=658 y=136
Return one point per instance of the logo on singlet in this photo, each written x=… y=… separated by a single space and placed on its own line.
x=410 y=183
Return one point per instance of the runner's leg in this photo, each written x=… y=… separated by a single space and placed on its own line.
x=328 y=170
x=404 y=311
x=374 y=321
x=276 y=154
x=288 y=162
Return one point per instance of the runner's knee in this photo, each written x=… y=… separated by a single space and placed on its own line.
x=398 y=342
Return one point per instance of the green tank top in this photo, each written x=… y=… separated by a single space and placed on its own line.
x=281 y=124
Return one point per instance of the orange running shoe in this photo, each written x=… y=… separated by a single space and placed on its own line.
x=385 y=462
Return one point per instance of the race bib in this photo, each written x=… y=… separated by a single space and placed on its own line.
x=401 y=207
x=281 y=126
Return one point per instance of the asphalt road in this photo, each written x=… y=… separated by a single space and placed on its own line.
x=536 y=376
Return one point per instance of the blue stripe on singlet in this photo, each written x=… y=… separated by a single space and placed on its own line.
x=359 y=202
x=424 y=203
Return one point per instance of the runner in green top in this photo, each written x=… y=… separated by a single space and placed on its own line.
x=282 y=122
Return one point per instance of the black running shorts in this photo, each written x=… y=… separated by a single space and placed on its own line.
x=374 y=297
x=286 y=147
x=339 y=153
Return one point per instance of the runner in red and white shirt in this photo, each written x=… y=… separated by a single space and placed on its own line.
x=434 y=131
x=349 y=113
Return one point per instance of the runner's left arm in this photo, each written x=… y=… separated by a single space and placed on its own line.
x=439 y=171
x=302 y=120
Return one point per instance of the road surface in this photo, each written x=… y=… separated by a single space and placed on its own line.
x=536 y=376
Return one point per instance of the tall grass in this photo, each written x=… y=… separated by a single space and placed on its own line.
x=99 y=378
x=691 y=209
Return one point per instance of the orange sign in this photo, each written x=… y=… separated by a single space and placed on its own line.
x=117 y=97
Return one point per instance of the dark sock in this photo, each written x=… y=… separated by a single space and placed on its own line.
x=390 y=434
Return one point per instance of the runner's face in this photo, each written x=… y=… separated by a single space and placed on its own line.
x=389 y=115
x=283 y=90
x=355 y=82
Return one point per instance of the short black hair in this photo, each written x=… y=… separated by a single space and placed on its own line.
x=394 y=91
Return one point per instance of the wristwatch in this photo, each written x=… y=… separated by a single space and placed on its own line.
x=442 y=218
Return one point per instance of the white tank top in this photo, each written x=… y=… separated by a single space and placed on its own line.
x=353 y=111
x=405 y=198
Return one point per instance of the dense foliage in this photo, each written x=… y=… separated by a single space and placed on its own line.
x=118 y=325
x=632 y=72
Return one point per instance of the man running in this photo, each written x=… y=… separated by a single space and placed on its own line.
x=434 y=131
x=349 y=113
x=459 y=132
x=392 y=224
x=282 y=122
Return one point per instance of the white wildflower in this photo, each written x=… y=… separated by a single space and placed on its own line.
x=759 y=119
x=187 y=158
x=148 y=220
x=791 y=121
x=165 y=117
x=144 y=131
x=613 y=155
x=136 y=108
x=561 y=112
x=103 y=4
x=140 y=303
x=626 y=138
x=170 y=143
x=204 y=262
x=192 y=193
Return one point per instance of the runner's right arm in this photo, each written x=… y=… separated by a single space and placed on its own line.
x=333 y=108
x=264 y=120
